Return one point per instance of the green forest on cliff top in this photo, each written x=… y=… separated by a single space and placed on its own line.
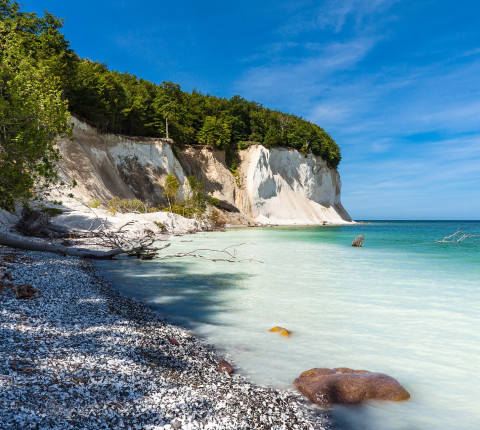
x=42 y=79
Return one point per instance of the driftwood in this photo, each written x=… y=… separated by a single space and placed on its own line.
x=228 y=254
x=457 y=237
x=36 y=223
x=43 y=246
x=358 y=241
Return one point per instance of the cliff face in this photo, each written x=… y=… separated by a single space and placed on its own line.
x=108 y=165
x=284 y=186
x=272 y=186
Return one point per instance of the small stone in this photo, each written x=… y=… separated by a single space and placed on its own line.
x=283 y=331
x=26 y=291
x=176 y=424
x=225 y=366
x=173 y=341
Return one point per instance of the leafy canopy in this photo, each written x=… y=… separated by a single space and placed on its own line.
x=32 y=110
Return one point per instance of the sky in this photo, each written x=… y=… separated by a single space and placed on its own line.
x=395 y=83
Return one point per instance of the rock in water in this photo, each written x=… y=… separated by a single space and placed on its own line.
x=283 y=331
x=225 y=366
x=327 y=387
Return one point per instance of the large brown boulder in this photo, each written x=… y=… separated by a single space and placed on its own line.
x=327 y=387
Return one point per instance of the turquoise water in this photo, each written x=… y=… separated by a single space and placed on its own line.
x=402 y=305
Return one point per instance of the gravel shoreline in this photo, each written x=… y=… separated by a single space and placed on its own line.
x=82 y=356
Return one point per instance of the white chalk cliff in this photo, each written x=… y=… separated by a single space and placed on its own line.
x=284 y=186
x=272 y=186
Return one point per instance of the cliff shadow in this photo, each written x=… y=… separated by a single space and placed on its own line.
x=175 y=294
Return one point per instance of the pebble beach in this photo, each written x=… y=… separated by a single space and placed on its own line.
x=82 y=356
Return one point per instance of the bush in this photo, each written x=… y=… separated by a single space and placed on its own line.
x=52 y=211
x=217 y=219
x=244 y=144
x=94 y=203
x=213 y=201
x=160 y=225
x=129 y=205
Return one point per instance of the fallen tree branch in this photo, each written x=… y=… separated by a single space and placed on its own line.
x=358 y=241
x=30 y=245
x=457 y=237
x=227 y=256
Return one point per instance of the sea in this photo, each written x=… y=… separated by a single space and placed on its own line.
x=405 y=304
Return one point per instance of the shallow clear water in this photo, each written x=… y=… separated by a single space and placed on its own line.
x=401 y=305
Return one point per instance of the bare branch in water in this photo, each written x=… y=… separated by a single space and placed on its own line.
x=224 y=255
x=457 y=237
x=358 y=241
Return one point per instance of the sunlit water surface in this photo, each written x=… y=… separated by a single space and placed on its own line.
x=401 y=305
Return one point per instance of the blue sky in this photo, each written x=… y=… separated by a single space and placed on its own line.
x=396 y=83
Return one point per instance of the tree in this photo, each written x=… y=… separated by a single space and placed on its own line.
x=273 y=137
x=32 y=110
x=197 y=201
x=170 y=189
x=169 y=102
x=284 y=121
x=215 y=132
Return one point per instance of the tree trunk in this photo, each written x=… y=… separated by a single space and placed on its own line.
x=30 y=245
x=166 y=125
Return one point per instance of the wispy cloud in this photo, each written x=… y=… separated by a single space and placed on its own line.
x=333 y=16
x=407 y=122
x=305 y=78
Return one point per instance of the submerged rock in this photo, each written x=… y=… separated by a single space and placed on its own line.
x=283 y=331
x=225 y=366
x=327 y=387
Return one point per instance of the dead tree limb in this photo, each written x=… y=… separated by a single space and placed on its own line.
x=457 y=237
x=223 y=255
x=30 y=245
x=358 y=241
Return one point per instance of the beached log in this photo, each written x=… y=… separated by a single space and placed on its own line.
x=358 y=241
x=24 y=243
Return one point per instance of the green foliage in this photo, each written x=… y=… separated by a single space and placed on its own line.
x=217 y=220
x=128 y=205
x=244 y=144
x=213 y=201
x=32 y=110
x=51 y=212
x=170 y=189
x=196 y=203
x=215 y=132
x=169 y=104
x=94 y=203
x=160 y=225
